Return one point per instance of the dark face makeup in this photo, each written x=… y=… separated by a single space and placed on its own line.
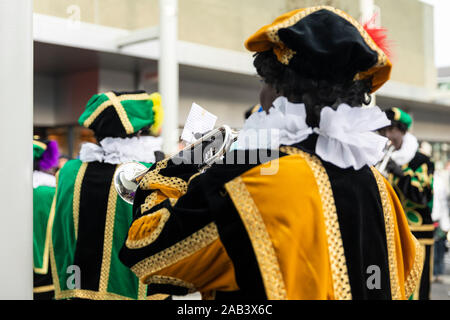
x=394 y=134
x=267 y=95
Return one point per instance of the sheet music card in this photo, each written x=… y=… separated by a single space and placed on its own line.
x=198 y=121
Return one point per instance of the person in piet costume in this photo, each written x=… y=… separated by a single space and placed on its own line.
x=296 y=210
x=91 y=220
x=45 y=158
x=411 y=174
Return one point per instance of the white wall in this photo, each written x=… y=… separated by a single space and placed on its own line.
x=73 y=91
x=115 y=80
x=16 y=136
x=227 y=102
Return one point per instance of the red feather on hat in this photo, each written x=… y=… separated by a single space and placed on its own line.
x=378 y=34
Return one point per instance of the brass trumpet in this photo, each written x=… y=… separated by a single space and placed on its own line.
x=127 y=176
x=381 y=166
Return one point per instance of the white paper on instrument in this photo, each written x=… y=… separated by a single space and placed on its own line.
x=198 y=121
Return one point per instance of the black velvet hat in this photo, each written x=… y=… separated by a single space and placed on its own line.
x=324 y=43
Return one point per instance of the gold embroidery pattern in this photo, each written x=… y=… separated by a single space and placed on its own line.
x=397 y=114
x=138 y=96
x=426 y=242
x=341 y=283
x=96 y=113
x=150 y=201
x=157 y=279
x=121 y=112
x=158 y=296
x=140 y=243
x=413 y=280
x=177 y=252
x=40 y=144
x=142 y=291
x=390 y=236
x=116 y=102
x=48 y=239
x=156 y=178
x=108 y=238
x=55 y=276
x=89 y=294
x=260 y=238
x=44 y=289
x=76 y=196
x=287 y=54
x=425 y=227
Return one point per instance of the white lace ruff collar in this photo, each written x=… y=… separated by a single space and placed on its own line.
x=122 y=150
x=346 y=135
x=43 y=179
x=407 y=151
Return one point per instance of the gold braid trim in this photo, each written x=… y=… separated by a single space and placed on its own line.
x=390 y=235
x=413 y=280
x=76 y=196
x=48 y=239
x=424 y=227
x=341 y=283
x=42 y=289
x=163 y=214
x=153 y=177
x=426 y=242
x=170 y=182
x=121 y=112
x=119 y=108
x=142 y=291
x=260 y=238
x=138 y=96
x=157 y=279
x=40 y=144
x=150 y=202
x=96 y=113
x=177 y=252
x=158 y=296
x=89 y=294
x=108 y=239
x=55 y=276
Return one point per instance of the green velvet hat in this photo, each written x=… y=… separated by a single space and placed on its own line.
x=120 y=114
x=45 y=154
x=39 y=148
x=397 y=114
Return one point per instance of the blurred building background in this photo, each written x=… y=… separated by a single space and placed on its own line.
x=78 y=52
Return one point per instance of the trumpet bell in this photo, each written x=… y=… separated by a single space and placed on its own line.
x=381 y=166
x=211 y=147
x=125 y=180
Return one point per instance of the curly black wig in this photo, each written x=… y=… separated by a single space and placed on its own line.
x=314 y=93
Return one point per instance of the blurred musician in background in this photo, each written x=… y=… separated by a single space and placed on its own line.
x=45 y=158
x=411 y=174
x=90 y=220
x=313 y=219
x=252 y=110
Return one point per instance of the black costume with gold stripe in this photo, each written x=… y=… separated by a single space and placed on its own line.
x=310 y=231
x=415 y=191
x=43 y=288
x=89 y=225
